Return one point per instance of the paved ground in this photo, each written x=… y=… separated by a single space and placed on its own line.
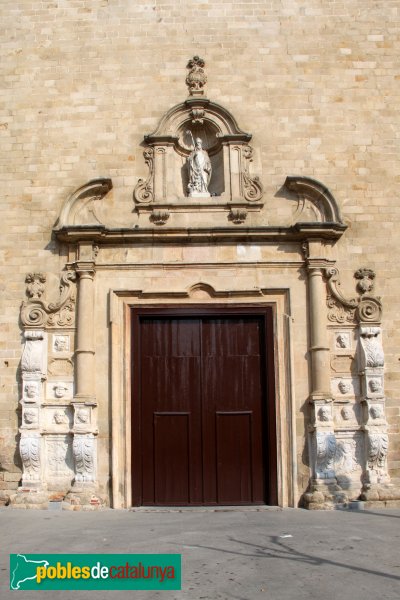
x=273 y=554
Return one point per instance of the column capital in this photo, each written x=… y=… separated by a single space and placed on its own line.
x=85 y=269
x=317 y=264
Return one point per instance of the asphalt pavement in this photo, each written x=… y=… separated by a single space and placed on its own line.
x=246 y=554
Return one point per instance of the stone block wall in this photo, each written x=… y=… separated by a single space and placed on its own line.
x=316 y=83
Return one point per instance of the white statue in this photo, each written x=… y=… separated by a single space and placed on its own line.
x=199 y=167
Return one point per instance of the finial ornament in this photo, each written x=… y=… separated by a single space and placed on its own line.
x=196 y=78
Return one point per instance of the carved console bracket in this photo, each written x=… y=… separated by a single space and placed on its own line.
x=363 y=309
x=36 y=312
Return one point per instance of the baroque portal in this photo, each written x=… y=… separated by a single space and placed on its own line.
x=199 y=235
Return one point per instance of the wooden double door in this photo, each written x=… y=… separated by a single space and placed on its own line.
x=203 y=422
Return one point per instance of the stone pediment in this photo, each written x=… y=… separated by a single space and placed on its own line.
x=203 y=177
x=198 y=129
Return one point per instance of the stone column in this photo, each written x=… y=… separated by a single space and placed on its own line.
x=319 y=349
x=84 y=353
x=322 y=445
x=84 y=446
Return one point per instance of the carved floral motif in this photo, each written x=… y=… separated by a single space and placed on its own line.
x=372 y=350
x=83 y=450
x=377 y=450
x=29 y=447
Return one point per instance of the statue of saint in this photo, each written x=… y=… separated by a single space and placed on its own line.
x=199 y=167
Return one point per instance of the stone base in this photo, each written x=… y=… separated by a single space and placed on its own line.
x=199 y=195
x=323 y=495
x=83 y=498
x=381 y=495
x=30 y=497
x=328 y=495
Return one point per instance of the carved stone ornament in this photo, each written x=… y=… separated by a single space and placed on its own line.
x=30 y=416
x=378 y=444
x=340 y=310
x=362 y=309
x=34 y=354
x=60 y=389
x=348 y=456
x=347 y=413
x=196 y=78
x=372 y=352
x=35 y=285
x=324 y=414
x=29 y=447
x=83 y=450
x=60 y=417
x=197 y=152
x=159 y=217
x=315 y=198
x=58 y=456
x=238 y=215
x=342 y=340
x=325 y=449
x=61 y=367
x=375 y=387
x=199 y=169
x=144 y=189
x=31 y=391
x=60 y=343
x=252 y=186
x=37 y=313
x=365 y=281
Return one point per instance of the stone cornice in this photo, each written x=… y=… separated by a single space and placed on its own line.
x=300 y=232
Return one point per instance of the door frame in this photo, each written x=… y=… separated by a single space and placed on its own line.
x=122 y=299
x=267 y=373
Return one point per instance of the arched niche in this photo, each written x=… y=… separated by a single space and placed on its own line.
x=169 y=146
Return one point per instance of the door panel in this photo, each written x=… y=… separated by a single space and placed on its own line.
x=170 y=383
x=198 y=413
x=232 y=384
x=233 y=453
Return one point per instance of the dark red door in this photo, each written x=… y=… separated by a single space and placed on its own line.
x=200 y=407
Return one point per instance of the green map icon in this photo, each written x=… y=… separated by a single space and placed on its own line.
x=23 y=569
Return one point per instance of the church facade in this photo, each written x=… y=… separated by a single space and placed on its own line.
x=199 y=232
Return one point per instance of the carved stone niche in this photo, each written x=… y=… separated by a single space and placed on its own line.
x=227 y=182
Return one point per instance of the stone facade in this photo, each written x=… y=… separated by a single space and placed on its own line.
x=96 y=217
